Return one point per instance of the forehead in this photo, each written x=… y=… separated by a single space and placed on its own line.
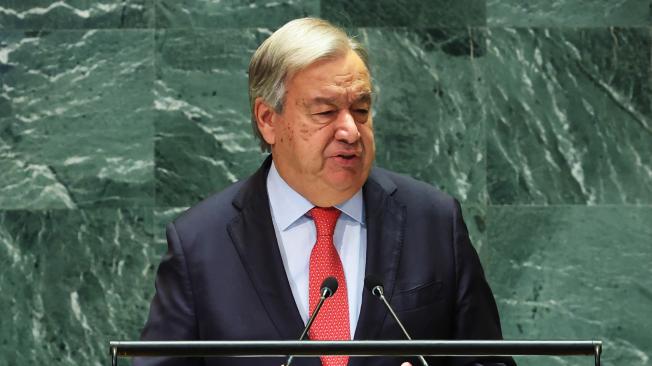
x=344 y=74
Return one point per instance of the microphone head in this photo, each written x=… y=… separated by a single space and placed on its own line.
x=373 y=284
x=329 y=286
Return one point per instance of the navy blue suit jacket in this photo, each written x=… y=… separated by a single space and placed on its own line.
x=223 y=277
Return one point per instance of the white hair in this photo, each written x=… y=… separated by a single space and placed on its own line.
x=293 y=47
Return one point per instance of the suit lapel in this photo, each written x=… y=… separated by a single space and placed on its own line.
x=385 y=230
x=254 y=238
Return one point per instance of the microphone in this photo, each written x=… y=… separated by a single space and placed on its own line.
x=327 y=289
x=375 y=286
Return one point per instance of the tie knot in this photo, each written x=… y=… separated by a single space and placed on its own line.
x=325 y=219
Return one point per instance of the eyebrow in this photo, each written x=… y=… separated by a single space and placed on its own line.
x=363 y=97
x=322 y=100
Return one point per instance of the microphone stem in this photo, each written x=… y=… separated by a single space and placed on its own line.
x=310 y=321
x=312 y=318
x=382 y=297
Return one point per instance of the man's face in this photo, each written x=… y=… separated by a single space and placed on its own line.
x=323 y=143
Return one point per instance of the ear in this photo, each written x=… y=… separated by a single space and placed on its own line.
x=265 y=118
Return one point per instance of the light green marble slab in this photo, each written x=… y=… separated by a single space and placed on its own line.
x=572 y=272
x=231 y=13
x=76 y=119
x=71 y=281
x=569 y=118
x=569 y=13
x=76 y=14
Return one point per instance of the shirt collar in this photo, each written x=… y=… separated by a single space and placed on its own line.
x=288 y=206
x=353 y=207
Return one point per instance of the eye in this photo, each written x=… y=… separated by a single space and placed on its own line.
x=361 y=110
x=326 y=113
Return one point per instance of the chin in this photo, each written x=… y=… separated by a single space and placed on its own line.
x=346 y=182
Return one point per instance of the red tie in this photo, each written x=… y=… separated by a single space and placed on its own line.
x=332 y=323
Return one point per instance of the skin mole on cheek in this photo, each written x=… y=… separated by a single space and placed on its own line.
x=304 y=132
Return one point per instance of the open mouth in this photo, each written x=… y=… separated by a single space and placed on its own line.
x=346 y=156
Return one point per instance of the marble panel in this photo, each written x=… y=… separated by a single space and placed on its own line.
x=204 y=140
x=76 y=14
x=405 y=13
x=427 y=116
x=569 y=117
x=569 y=13
x=231 y=13
x=72 y=280
x=76 y=126
x=573 y=272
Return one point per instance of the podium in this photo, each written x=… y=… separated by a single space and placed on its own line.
x=354 y=348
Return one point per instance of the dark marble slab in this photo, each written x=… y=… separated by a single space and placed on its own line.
x=568 y=116
x=203 y=130
x=76 y=125
x=71 y=281
x=574 y=272
x=231 y=13
x=569 y=13
x=428 y=120
x=405 y=13
x=76 y=14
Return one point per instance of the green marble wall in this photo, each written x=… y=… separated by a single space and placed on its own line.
x=115 y=115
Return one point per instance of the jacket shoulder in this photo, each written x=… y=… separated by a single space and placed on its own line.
x=414 y=194
x=214 y=211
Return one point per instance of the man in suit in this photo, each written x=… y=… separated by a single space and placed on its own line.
x=247 y=263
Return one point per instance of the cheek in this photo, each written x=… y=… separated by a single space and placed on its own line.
x=287 y=134
x=305 y=132
x=312 y=134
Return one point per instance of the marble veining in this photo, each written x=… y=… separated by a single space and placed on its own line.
x=231 y=13
x=76 y=14
x=573 y=273
x=424 y=119
x=77 y=279
x=563 y=13
x=405 y=13
x=202 y=113
x=568 y=116
x=76 y=119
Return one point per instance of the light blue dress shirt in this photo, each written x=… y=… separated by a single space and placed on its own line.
x=296 y=235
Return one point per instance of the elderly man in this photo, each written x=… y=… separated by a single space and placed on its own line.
x=247 y=263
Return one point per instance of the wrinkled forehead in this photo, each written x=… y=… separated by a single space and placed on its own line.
x=356 y=77
x=346 y=86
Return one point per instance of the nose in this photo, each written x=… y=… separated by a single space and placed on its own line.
x=346 y=130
